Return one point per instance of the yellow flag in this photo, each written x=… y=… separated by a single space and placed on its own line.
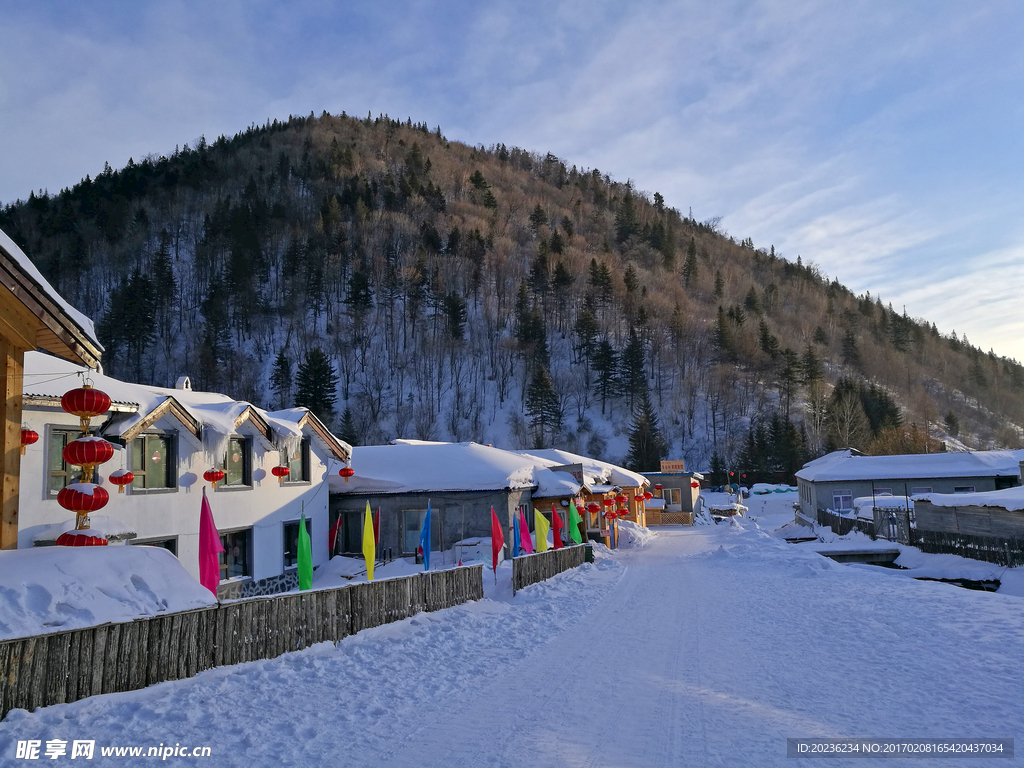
x=369 y=544
x=541 y=526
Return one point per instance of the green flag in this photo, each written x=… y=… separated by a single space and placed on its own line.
x=575 y=521
x=305 y=556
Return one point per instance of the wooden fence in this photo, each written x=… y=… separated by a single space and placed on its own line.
x=530 y=569
x=676 y=518
x=992 y=549
x=67 y=666
x=843 y=525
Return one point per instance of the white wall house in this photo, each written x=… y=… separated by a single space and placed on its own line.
x=168 y=438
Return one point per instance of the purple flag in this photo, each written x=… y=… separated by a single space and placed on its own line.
x=209 y=548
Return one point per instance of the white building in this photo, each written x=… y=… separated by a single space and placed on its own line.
x=168 y=438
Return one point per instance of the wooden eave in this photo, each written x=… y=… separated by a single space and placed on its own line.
x=33 y=320
x=48 y=401
x=333 y=443
x=260 y=424
x=169 y=407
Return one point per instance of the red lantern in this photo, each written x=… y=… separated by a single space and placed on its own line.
x=28 y=437
x=280 y=473
x=610 y=515
x=648 y=495
x=213 y=476
x=609 y=502
x=695 y=484
x=85 y=402
x=593 y=507
x=658 y=486
x=88 y=451
x=621 y=499
x=623 y=513
x=121 y=478
x=71 y=539
x=346 y=472
x=83 y=498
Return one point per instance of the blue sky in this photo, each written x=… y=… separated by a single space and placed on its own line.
x=882 y=141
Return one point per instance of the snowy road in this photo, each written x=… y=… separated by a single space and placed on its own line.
x=708 y=647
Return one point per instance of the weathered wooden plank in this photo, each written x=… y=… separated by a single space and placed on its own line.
x=6 y=677
x=99 y=659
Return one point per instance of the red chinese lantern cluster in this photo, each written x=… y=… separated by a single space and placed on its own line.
x=213 y=475
x=28 y=437
x=280 y=473
x=346 y=472
x=121 y=478
x=87 y=452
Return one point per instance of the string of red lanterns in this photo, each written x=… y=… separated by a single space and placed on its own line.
x=84 y=497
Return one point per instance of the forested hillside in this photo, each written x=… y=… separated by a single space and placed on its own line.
x=405 y=285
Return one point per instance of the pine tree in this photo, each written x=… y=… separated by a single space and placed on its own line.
x=647 y=446
x=543 y=409
x=317 y=385
x=538 y=218
x=281 y=380
x=690 y=265
x=633 y=377
x=605 y=364
x=627 y=223
x=811 y=366
x=586 y=333
x=347 y=429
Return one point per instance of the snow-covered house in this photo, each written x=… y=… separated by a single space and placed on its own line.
x=32 y=316
x=995 y=514
x=168 y=438
x=598 y=481
x=836 y=479
x=461 y=481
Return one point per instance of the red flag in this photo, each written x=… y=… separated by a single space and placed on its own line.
x=376 y=528
x=556 y=524
x=333 y=538
x=210 y=548
x=497 y=540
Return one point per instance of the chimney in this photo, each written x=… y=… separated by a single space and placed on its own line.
x=183 y=382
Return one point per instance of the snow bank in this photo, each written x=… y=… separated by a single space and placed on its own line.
x=633 y=536
x=57 y=588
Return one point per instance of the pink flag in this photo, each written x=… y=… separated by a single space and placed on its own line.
x=556 y=524
x=497 y=540
x=209 y=548
x=332 y=537
x=525 y=541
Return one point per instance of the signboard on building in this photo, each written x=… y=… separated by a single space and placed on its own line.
x=576 y=470
x=673 y=465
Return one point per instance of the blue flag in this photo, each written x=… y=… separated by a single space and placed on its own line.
x=425 y=539
x=515 y=536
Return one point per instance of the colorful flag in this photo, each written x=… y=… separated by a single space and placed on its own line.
x=575 y=521
x=304 y=556
x=369 y=542
x=497 y=541
x=524 y=534
x=515 y=536
x=540 y=530
x=425 y=539
x=556 y=523
x=209 y=548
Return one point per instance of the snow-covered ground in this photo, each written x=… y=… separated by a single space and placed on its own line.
x=702 y=646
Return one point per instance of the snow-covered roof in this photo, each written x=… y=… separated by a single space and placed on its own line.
x=48 y=378
x=48 y=589
x=25 y=264
x=595 y=472
x=105 y=527
x=1009 y=498
x=655 y=504
x=416 y=466
x=844 y=465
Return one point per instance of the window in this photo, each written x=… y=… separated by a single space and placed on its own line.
x=235 y=559
x=171 y=544
x=963 y=489
x=153 y=462
x=412 y=524
x=297 y=462
x=672 y=497
x=291 y=542
x=237 y=464
x=60 y=474
x=842 y=500
x=883 y=491
x=920 y=489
